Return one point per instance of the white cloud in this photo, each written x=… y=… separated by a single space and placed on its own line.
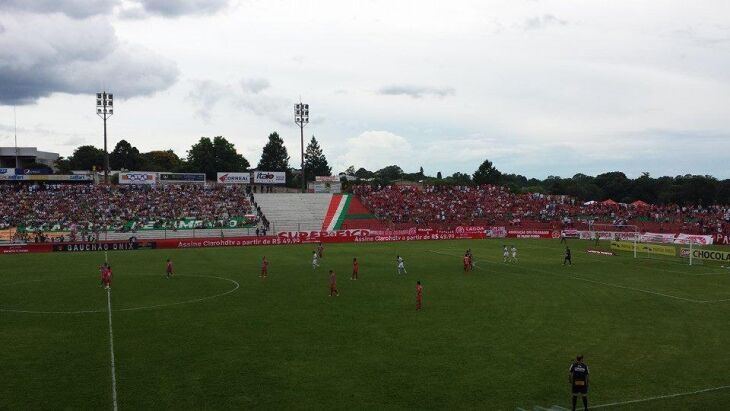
x=416 y=91
x=45 y=54
x=255 y=85
x=375 y=149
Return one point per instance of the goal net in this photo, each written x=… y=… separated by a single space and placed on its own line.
x=625 y=233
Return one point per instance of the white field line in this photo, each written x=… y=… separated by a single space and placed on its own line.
x=236 y=286
x=691 y=300
x=662 y=397
x=111 y=348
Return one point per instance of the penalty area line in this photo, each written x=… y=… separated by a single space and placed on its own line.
x=111 y=349
x=623 y=287
x=662 y=397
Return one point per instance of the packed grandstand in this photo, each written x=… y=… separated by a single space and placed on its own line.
x=63 y=212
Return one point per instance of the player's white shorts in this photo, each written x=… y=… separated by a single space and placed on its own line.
x=401 y=266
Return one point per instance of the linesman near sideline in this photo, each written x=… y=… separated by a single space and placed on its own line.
x=578 y=376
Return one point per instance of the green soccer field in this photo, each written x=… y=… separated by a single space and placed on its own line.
x=216 y=336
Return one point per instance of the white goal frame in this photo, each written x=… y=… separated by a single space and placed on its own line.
x=629 y=230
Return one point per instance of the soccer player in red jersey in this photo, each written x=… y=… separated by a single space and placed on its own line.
x=102 y=272
x=419 y=296
x=264 y=267
x=333 y=284
x=168 y=269
x=107 y=277
x=467 y=263
x=320 y=250
x=355 y=269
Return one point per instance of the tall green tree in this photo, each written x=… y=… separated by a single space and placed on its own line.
x=390 y=173
x=460 y=178
x=125 y=156
x=315 y=162
x=487 y=174
x=274 y=156
x=162 y=161
x=363 y=173
x=86 y=158
x=211 y=156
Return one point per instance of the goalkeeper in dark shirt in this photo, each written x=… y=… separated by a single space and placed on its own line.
x=579 y=381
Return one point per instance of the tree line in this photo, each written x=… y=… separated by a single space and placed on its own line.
x=207 y=155
x=682 y=189
x=211 y=155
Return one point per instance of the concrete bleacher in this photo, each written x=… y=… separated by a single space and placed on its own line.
x=294 y=211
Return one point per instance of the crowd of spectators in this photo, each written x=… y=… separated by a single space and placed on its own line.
x=488 y=204
x=84 y=210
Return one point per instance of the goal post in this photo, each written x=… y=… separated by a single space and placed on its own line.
x=615 y=232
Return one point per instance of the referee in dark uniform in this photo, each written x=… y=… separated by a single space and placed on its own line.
x=579 y=381
x=567 y=256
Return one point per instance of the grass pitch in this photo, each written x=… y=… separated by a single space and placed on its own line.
x=218 y=337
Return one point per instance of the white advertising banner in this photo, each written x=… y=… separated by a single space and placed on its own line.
x=7 y=171
x=138 y=177
x=269 y=177
x=694 y=239
x=234 y=178
x=657 y=238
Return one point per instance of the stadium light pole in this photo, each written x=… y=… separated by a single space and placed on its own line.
x=105 y=109
x=301 y=118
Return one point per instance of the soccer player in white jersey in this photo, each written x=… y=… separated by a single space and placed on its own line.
x=514 y=254
x=505 y=254
x=401 y=265
x=315 y=260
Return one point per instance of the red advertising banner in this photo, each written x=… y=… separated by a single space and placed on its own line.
x=533 y=233
x=722 y=239
x=225 y=242
x=26 y=248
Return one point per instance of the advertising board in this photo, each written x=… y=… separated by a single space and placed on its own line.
x=234 y=178
x=138 y=177
x=714 y=255
x=269 y=177
x=644 y=248
x=182 y=178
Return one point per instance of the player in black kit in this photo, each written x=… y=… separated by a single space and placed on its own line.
x=567 y=257
x=579 y=381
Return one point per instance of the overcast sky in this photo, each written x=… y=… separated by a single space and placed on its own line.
x=539 y=87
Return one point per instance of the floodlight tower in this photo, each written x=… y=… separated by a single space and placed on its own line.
x=301 y=118
x=105 y=109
